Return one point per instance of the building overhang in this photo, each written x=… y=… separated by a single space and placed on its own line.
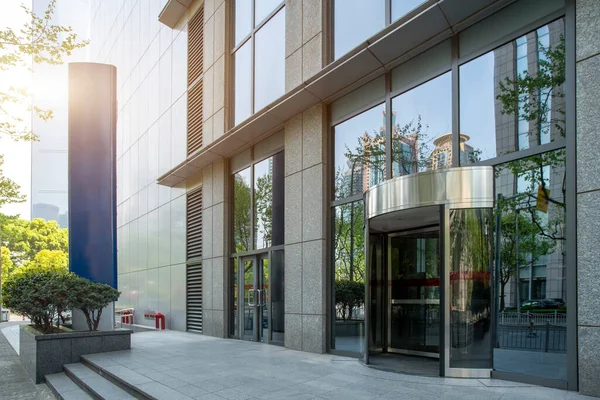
x=426 y=26
x=173 y=11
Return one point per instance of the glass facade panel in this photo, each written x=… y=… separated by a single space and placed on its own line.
x=403 y=7
x=355 y=21
x=243 y=82
x=470 y=288
x=242 y=211
x=530 y=220
x=243 y=19
x=269 y=75
x=502 y=109
x=422 y=128
x=359 y=152
x=349 y=273
x=262 y=8
x=277 y=296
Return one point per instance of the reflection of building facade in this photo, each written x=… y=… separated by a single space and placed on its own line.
x=544 y=277
x=49 y=157
x=166 y=150
x=441 y=156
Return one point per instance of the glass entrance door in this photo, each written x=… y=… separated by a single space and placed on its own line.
x=414 y=296
x=255 y=297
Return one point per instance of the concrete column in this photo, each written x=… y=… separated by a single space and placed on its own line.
x=214 y=252
x=588 y=194
x=305 y=230
x=303 y=40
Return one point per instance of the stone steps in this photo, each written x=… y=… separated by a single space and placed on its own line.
x=85 y=383
x=64 y=388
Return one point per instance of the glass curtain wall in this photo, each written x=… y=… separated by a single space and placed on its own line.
x=258 y=54
x=512 y=99
x=258 y=224
x=511 y=115
x=354 y=21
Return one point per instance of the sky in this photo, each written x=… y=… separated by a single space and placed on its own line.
x=17 y=155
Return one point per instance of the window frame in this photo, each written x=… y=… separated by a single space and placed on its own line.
x=235 y=47
x=456 y=61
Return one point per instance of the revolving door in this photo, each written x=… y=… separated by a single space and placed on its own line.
x=429 y=270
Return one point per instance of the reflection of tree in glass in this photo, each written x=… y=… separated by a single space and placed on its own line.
x=538 y=99
x=349 y=255
x=242 y=223
x=529 y=248
x=263 y=199
x=367 y=162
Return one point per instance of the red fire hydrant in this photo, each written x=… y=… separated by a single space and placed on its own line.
x=160 y=317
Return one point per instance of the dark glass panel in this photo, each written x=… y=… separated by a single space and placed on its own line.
x=242 y=211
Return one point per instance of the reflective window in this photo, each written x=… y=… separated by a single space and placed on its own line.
x=243 y=82
x=359 y=152
x=243 y=19
x=258 y=219
x=355 y=21
x=470 y=288
x=242 y=211
x=422 y=128
x=531 y=267
x=263 y=8
x=403 y=7
x=259 y=56
x=512 y=97
x=269 y=56
x=349 y=270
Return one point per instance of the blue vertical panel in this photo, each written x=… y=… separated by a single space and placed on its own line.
x=92 y=172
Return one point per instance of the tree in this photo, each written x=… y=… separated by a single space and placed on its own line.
x=263 y=200
x=25 y=239
x=39 y=41
x=242 y=224
x=91 y=299
x=6 y=262
x=520 y=244
x=48 y=260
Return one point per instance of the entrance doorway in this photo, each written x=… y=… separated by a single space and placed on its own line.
x=414 y=296
x=258 y=282
x=428 y=275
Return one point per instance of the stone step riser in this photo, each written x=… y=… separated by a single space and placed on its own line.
x=117 y=381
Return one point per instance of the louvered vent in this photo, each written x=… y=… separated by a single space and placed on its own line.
x=194 y=124
x=194 y=298
x=194 y=264
x=196 y=46
x=194 y=224
x=195 y=74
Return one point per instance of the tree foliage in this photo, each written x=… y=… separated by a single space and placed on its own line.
x=349 y=295
x=242 y=206
x=43 y=295
x=40 y=41
x=25 y=239
x=91 y=299
x=47 y=260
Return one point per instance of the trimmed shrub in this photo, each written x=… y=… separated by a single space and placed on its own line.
x=91 y=298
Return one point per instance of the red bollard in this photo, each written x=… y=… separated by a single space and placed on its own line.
x=161 y=317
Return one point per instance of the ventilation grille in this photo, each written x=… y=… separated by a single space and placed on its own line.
x=196 y=46
x=194 y=298
x=194 y=123
x=194 y=224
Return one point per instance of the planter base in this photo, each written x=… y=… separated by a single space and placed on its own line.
x=46 y=354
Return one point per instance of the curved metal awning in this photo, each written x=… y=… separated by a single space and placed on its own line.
x=462 y=187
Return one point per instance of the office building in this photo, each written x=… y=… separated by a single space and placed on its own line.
x=260 y=197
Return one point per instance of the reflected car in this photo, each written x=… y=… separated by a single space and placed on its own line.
x=552 y=303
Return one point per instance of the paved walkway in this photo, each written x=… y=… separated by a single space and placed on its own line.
x=202 y=367
x=15 y=384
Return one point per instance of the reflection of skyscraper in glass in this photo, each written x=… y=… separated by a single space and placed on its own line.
x=546 y=277
x=441 y=156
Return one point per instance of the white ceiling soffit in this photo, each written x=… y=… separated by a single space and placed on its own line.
x=428 y=24
x=173 y=11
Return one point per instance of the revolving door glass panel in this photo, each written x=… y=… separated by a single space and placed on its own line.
x=414 y=298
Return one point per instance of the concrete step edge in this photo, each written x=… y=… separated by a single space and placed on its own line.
x=56 y=392
x=79 y=382
x=117 y=381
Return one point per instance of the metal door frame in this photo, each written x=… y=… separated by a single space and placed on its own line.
x=257 y=281
x=390 y=301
